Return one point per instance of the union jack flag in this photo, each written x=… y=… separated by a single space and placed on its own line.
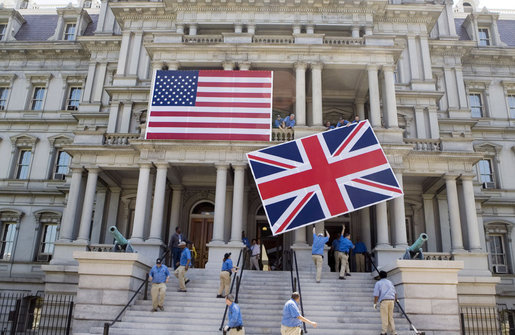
x=322 y=176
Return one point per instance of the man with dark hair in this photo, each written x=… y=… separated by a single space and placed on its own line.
x=384 y=293
x=174 y=246
x=317 y=251
x=255 y=251
x=235 y=323
x=292 y=320
x=345 y=246
x=158 y=276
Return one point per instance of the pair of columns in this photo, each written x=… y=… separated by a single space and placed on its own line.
x=316 y=90
x=389 y=99
x=237 y=204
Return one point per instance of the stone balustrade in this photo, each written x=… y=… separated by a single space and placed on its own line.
x=282 y=135
x=438 y=256
x=273 y=39
x=100 y=247
x=422 y=144
x=203 y=39
x=343 y=41
x=119 y=139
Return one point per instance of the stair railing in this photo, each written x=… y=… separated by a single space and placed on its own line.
x=144 y=284
x=295 y=280
x=396 y=301
x=236 y=279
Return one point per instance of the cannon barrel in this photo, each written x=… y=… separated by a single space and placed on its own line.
x=418 y=243
x=118 y=236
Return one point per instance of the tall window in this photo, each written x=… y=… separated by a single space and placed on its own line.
x=2 y=31
x=7 y=240
x=498 y=253
x=4 y=91
x=476 y=107
x=22 y=170
x=511 y=103
x=38 y=98
x=486 y=176
x=484 y=37
x=69 y=32
x=48 y=238
x=62 y=165
x=73 y=99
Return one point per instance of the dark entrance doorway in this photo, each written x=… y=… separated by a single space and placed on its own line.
x=273 y=244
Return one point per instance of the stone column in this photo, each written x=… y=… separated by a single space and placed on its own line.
x=462 y=93
x=382 y=226
x=176 y=208
x=420 y=122
x=316 y=72
x=156 y=225
x=96 y=95
x=470 y=211
x=124 y=52
x=221 y=189
x=445 y=229
x=426 y=58
x=300 y=93
x=87 y=209
x=68 y=220
x=391 y=100
x=98 y=218
x=300 y=236
x=454 y=213
x=401 y=240
x=135 y=53
x=141 y=201
x=360 y=108
x=237 y=203
x=112 y=211
x=228 y=66
x=88 y=88
x=429 y=218
x=365 y=227
x=413 y=58
x=373 y=92
x=355 y=32
x=244 y=66
x=126 y=117
x=433 y=123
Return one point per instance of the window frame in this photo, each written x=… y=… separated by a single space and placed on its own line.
x=34 y=100
x=4 y=92
x=487 y=41
x=3 y=31
x=20 y=166
x=511 y=109
x=57 y=166
x=481 y=105
x=6 y=225
x=69 y=99
x=481 y=174
x=493 y=255
x=45 y=219
x=67 y=36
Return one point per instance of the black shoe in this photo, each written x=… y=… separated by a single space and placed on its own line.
x=347 y=274
x=161 y=308
x=186 y=282
x=219 y=296
x=342 y=278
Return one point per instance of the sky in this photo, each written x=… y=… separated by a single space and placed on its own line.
x=497 y=4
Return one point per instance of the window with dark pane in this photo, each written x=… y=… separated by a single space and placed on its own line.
x=63 y=163
x=23 y=164
x=37 y=98
x=69 y=32
x=476 y=107
x=4 y=91
x=7 y=241
x=485 y=171
x=74 y=99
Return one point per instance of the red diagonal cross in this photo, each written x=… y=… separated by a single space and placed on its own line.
x=322 y=173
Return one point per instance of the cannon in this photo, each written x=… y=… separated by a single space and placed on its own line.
x=121 y=244
x=414 y=251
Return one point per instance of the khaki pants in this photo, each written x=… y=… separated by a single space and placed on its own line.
x=233 y=331
x=180 y=273
x=344 y=259
x=290 y=330
x=254 y=262
x=360 y=263
x=225 y=283
x=158 y=294
x=318 y=260
x=386 y=308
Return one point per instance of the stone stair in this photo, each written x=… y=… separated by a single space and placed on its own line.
x=338 y=306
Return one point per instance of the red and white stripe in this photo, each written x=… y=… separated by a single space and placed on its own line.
x=230 y=105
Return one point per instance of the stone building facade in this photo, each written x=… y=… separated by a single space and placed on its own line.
x=435 y=81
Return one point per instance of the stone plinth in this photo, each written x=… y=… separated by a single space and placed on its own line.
x=428 y=291
x=107 y=280
x=217 y=250
x=305 y=261
x=61 y=279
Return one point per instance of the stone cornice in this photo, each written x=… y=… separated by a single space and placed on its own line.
x=43 y=50
x=490 y=56
x=450 y=48
x=100 y=42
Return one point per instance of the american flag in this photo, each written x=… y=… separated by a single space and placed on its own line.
x=211 y=105
x=322 y=176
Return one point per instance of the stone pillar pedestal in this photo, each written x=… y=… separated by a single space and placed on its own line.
x=217 y=251
x=107 y=280
x=61 y=279
x=428 y=291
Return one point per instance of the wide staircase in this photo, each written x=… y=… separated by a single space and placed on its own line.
x=338 y=306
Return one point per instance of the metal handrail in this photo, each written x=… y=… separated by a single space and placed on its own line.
x=232 y=285
x=295 y=281
x=396 y=300
x=108 y=325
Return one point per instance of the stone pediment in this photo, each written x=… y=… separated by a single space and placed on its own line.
x=488 y=147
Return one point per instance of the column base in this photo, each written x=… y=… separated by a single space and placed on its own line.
x=63 y=252
x=476 y=264
x=386 y=255
x=304 y=259
x=217 y=250
x=149 y=250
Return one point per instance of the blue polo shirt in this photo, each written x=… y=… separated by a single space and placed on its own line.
x=159 y=274
x=246 y=242
x=288 y=122
x=234 y=316
x=336 y=244
x=227 y=265
x=277 y=123
x=384 y=289
x=318 y=244
x=360 y=248
x=290 y=314
x=345 y=244
x=185 y=255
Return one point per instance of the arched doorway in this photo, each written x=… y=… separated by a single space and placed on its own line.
x=273 y=244
x=201 y=230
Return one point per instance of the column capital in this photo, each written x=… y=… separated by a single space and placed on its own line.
x=77 y=169
x=316 y=66
x=450 y=177
x=428 y=196
x=93 y=169
x=300 y=65
x=372 y=67
x=359 y=101
x=239 y=166
x=115 y=189
x=222 y=166
x=228 y=65
x=389 y=68
x=244 y=66
x=145 y=165
x=467 y=177
x=177 y=187
x=161 y=165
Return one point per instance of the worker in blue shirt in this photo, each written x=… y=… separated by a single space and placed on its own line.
x=235 y=323
x=359 y=251
x=158 y=276
x=288 y=122
x=278 y=121
x=345 y=246
x=385 y=294
x=225 y=276
x=292 y=319
x=342 y=123
x=317 y=251
x=184 y=264
x=356 y=119
x=334 y=248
